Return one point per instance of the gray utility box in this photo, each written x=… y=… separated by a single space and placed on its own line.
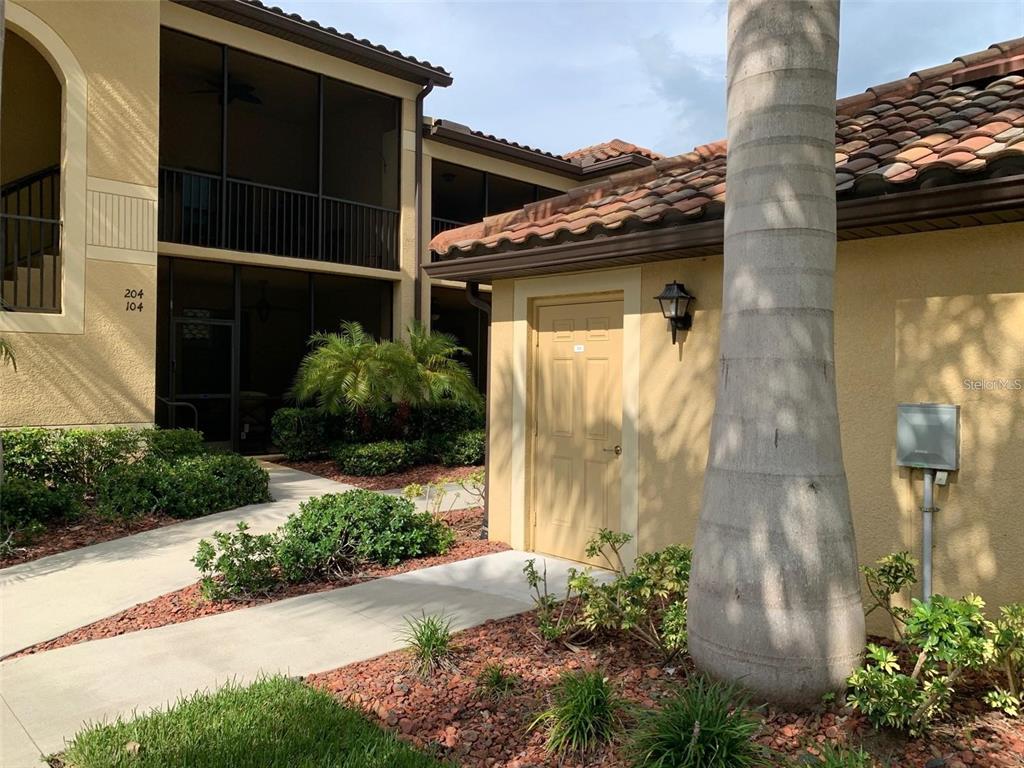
x=928 y=435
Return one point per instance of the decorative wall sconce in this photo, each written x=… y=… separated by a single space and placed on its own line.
x=674 y=302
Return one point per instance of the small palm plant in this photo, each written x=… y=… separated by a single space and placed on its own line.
x=435 y=372
x=352 y=370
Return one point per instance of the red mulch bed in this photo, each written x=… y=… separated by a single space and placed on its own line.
x=187 y=604
x=90 y=528
x=446 y=715
x=426 y=473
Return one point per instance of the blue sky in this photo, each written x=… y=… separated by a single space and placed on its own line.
x=564 y=75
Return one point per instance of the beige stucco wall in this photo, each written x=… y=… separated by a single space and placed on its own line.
x=916 y=315
x=103 y=376
x=118 y=47
x=94 y=362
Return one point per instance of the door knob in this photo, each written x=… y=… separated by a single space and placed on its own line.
x=617 y=450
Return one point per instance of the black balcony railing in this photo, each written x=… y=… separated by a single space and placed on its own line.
x=258 y=218
x=437 y=226
x=30 y=263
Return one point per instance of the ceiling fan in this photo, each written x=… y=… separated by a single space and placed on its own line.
x=237 y=89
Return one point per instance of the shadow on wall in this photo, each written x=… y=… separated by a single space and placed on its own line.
x=677 y=401
x=104 y=376
x=969 y=350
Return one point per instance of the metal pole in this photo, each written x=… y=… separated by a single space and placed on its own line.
x=927 y=510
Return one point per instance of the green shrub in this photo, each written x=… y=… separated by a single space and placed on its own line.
x=131 y=490
x=1008 y=642
x=301 y=433
x=81 y=456
x=191 y=487
x=463 y=448
x=375 y=459
x=338 y=533
x=173 y=444
x=68 y=456
x=237 y=565
x=27 y=506
x=886 y=578
x=951 y=636
x=429 y=640
x=702 y=725
x=585 y=713
x=444 y=417
x=648 y=600
x=202 y=485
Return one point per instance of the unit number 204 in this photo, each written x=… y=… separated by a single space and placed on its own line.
x=129 y=294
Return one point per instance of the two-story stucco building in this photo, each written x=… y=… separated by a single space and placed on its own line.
x=190 y=188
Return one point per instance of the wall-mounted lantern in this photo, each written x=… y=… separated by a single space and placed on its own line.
x=674 y=302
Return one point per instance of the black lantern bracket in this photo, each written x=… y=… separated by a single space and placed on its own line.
x=675 y=303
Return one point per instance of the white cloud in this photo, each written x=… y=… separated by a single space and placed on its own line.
x=564 y=75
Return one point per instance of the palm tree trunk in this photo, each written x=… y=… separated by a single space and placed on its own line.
x=774 y=597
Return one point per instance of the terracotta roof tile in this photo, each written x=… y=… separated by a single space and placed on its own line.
x=895 y=136
x=608 y=150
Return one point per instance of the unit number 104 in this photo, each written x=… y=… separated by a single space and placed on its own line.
x=129 y=294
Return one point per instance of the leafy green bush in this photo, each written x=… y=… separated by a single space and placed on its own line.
x=237 y=565
x=374 y=459
x=202 y=485
x=648 y=600
x=173 y=444
x=27 y=506
x=703 y=725
x=445 y=417
x=131 y=490
x=585 y=713
x=191 y=487
x=951 y=636
x=461 y=449
x=68 y=456
x=890 y=575
x=429 y=639
x=338 y=533
x=1008 y=642
x=301 y=433
x=81 y=456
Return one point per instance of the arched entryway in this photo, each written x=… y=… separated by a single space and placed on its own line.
x=30 y=191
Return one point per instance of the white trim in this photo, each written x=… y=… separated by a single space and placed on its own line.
x=126 y=188
x=279 y=262
x=74 y=121
x=628 y=282
x=123 y=255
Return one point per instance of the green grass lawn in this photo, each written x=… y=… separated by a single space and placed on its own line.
x=274 y=723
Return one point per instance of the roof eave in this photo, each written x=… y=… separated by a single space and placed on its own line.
x=706 y=237
x=495 y=148
x=302 y=33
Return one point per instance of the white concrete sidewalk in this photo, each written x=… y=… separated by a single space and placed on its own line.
x=48 y=696
x=45 y=598
x=53 y=595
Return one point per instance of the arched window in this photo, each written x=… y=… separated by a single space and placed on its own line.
x=30 y=190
